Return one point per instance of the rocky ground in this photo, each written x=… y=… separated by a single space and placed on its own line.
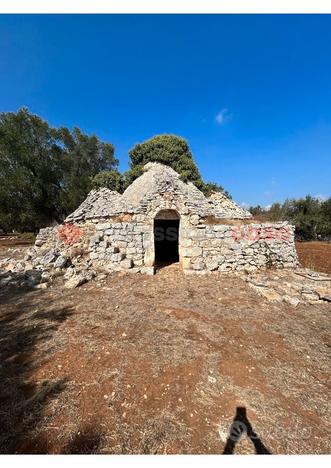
x=163 y=364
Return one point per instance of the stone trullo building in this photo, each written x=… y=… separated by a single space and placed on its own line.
x=158 y=219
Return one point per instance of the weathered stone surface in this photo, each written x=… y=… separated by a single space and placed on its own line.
x=192 y=251
x=33 y=276
x=69 y=273
x=118 y=230
x=126 y=264
x=117 y=257
x=45 y=277
x=198 y=265
x=212 y=265
x=186 y=263
x=270 y=294
x=293 y=301
x=48 y=258
x=147 y=270
x=226 y=208
x=19 y=266
x=5 y=280
x=41 y=286
x=96 y=238
x=61 y=261
x=75 y=281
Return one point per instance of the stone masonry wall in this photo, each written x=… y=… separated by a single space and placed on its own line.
x=202 y=247
x=117 y=244
x=120 y=245
x=228 y=248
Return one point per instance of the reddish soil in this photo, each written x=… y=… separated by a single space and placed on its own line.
x=13 y=241
x=315 y=255
x=13 y=247
x=136 y=364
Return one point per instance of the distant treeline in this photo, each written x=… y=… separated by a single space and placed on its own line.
x=46 y=172
x=311 y=216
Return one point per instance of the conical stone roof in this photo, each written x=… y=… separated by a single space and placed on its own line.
x=156 y=180
x=159 y=179
x=98 y=204
x=223 y=207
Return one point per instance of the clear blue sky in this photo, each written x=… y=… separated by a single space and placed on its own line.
x=251 y=93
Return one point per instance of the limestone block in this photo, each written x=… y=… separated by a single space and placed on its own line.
x=211 y=265
x=122 y=244
x=260 y=259
x=198 y=265
x=220 y=228
x=191 y=251
x=194 y=219
x=103 y=227
x=185 y=262
x=186 y=242
x=117 y=257
x=126 y=263
x=74 y=282
x=147 y=270
x=48 y=258
x=61 y=261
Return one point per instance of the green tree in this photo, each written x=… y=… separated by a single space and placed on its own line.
x=172 y=151
x=84 y=157
x=30 y=171
x=258 y=212
x=45 y=173
x=324 y=225
x=275 y=212
x=212 y=187
x=305 y=215
x=112 y=180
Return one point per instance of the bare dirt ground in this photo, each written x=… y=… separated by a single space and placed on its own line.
x=137 y=364
x=12 y=246
x=315 y=255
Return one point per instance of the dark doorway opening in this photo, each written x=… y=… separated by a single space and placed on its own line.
x=166 y=241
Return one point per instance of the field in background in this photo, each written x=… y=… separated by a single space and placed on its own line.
x=315 y=255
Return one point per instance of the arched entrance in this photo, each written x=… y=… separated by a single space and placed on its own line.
x=166 y=235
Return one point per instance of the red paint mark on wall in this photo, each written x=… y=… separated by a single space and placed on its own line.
x=254 y=234
x=69 y=233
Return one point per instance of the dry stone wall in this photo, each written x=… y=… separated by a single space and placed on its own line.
x=113 y=232
x=234 y=248
x=129 y=245
x=119 y=245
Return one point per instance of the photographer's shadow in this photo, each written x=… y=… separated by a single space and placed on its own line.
x=240 y=426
